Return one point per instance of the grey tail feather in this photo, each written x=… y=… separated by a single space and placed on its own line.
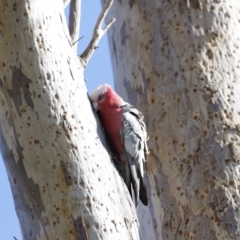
x=132 y=190
x=143 y=193
x=133 y=196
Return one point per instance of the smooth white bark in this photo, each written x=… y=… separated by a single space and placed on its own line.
x=179 y=62
x=63 y=182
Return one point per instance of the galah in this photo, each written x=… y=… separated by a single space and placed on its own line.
x=126 y=132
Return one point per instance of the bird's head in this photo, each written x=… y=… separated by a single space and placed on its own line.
x=104 y=97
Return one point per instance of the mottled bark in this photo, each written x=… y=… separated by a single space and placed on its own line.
x=63 y=182
x=178 y=62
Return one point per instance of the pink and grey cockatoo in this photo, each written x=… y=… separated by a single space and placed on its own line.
x=127 y=135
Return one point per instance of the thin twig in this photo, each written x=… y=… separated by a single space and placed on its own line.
x=78 y=39
x=74 y=21
x=98 y=32
x=65 y=3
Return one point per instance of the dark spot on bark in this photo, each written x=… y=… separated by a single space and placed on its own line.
x=66 y=172
x=14 y=7
x=80 y=228
x=123 y=33
x=48 y=76
x=211 y=183
x=131 y=2
x=97 y=225
x=20 y=81
x=209 y=54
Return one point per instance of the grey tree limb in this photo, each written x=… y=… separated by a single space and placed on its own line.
x=98 y=33
x=74 y=21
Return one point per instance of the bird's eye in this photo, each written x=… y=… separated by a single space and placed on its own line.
x=100 y=97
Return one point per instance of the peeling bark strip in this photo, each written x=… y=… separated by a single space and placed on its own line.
x=80 y=228
x=235 y=147
x=20 y=82
x=26 y=194
x=66 y=173
x=179 y=63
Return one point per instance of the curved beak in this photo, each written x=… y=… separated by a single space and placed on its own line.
x=95 y=106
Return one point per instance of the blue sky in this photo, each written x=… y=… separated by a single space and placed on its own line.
x=98 y=71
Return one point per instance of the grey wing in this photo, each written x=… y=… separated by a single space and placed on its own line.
x=134 y=138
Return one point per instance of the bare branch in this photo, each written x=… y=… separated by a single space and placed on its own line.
x=74 y=21
x=109 y=25
x=97 y=33
x=66 y=2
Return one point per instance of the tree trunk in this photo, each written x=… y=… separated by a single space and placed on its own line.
x=178 y=62
x=63 y=182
